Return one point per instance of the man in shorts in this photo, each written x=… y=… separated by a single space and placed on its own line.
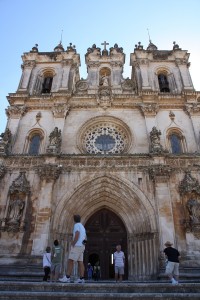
x=76 y=252
x=119 y=260
x=172 y=266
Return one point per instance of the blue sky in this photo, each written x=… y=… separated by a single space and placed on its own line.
x=23 y=23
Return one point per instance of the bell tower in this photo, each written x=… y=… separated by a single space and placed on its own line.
x=104 y=67
x=165 y=71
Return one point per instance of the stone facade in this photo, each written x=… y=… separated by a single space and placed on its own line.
x=130 y=146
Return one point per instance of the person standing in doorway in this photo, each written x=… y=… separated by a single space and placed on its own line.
x=77 y=251
x=97 y=271
x=119 y=261
x=172 y=267
x=56 y=261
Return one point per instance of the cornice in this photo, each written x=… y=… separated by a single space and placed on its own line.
x=142 y=99
x=135 y=162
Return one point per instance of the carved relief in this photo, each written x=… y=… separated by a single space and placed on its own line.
x=128 y=85
x=104 y=97
x=189 y=184
x=16 y=111
x=81 y=86
x=55 y=140
x=5 y=141
x=60 y=111
x=49 y=172
x=2 y=171
x=16 y=208
x=149 y=109
x=171 y=115
x=29 y=64
x=159 y=170
x=193 y=108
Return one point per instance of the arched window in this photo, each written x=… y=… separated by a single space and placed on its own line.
x=43 y=82
x=163 y=83
x=34 y=145
x=176 y=143
x=47 y=83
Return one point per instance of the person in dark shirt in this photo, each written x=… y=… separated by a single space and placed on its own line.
x=172 y=267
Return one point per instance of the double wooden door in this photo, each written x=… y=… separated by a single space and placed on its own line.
x=105 y=230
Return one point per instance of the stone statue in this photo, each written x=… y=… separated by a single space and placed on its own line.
x=5 y=141
x=15 y=210
x=156 y=147
x=104 y=80
x=55 y=140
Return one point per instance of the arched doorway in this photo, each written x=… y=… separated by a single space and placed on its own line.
x=104 y=231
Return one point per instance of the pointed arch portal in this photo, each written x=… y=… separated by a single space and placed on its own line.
x=104 y=231
x=113 y=211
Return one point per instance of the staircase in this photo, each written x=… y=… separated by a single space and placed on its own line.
x=23 y=290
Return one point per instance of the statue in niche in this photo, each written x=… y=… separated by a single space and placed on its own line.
x=15 y=210
x=193 y=207
x=5 y=141
x=104 y=80
x=156 y=147
x=55 y=140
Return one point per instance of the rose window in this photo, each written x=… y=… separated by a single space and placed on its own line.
x=104 y=135
x=104 y=139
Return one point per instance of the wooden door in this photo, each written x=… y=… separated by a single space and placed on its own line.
x=104 y=231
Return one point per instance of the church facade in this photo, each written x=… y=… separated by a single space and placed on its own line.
x=121 y=152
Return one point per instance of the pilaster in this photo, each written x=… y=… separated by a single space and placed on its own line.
x=48 y=174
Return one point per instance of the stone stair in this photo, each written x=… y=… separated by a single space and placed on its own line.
x=24 y=290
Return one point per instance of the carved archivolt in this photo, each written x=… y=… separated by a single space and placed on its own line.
x=104 y=135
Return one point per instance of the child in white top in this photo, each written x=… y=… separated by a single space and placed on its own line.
x=47 y=263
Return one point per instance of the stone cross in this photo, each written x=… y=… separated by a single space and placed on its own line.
x=104 y=44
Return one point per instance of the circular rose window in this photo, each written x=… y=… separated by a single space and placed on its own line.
x=108 y=137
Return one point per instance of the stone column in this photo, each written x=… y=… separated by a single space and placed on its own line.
x=145 y=76
x=27 y=69
x=160 y=173
x=193 y=111
x=48 y=174
x=66 y=64
x=185 y=75
x=149 y=111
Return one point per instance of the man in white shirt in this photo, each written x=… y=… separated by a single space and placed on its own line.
x=119 y=260
x=76 y=252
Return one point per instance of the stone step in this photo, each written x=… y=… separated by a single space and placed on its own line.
x=96 y=296
x=101 y=290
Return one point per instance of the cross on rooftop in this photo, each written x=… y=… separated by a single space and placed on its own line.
x=104 y=44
